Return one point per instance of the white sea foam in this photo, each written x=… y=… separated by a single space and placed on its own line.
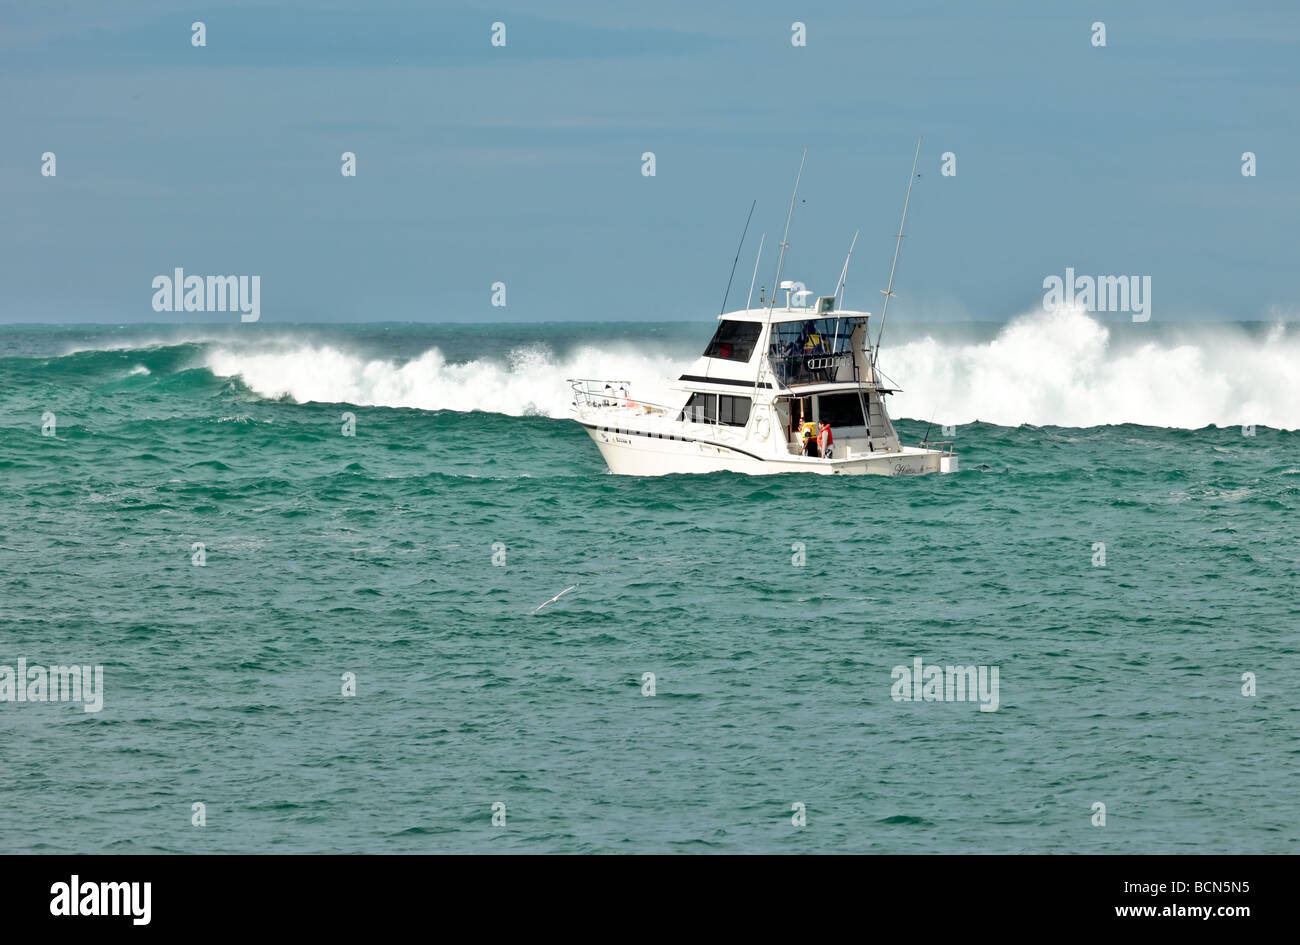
x=1064 y=369
x=1068 y=369
x=531 y=381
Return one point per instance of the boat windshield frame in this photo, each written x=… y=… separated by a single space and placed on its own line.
x=814 y=350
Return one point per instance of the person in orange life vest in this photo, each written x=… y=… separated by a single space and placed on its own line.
x=826 y=440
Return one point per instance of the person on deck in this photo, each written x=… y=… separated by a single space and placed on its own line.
x=810 y=440
x=826 y=440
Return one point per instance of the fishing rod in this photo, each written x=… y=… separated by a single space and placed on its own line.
x=844 y=273
x=757 y=259
x=926 y=439
x=785 y=244
x=737 y=259
x=785 y=239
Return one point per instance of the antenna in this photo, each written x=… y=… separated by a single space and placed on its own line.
x=889 y=292
x=844 y=273
x=755 y=277
x=737 y=259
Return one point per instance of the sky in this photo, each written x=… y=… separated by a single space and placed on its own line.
x=522 y=164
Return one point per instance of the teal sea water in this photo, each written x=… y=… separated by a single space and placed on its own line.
x=374 y=555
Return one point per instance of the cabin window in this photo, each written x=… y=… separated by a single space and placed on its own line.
x=733 y=411
x=717 y=408
x=812 y=336
x=813 y=350
x=840 y=410
x=734 y=341
x=701 y=408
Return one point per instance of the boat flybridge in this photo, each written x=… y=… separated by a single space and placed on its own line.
x=764 y=375
x=768 y=378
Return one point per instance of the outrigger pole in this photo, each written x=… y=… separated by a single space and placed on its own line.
x=785 y=243
x=723 y=310
x=889 y=292
x=844 y=273
x=757 y=259
x=785 y=239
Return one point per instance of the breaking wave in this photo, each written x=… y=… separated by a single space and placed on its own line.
x=1061 y=369
x=1068 y=369
x=529 y=381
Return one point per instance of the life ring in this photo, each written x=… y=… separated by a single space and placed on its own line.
x=762 y=428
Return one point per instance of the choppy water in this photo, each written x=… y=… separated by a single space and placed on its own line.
x=373 y=555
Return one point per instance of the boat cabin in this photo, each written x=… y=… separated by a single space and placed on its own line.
x=806 y=364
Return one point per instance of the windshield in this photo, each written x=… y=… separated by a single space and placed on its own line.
x=813 y=336
x=812 y=351
x=734 y=341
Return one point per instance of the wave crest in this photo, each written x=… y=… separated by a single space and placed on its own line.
x=530 y=382
x=1068 y=369
x=1048 y=369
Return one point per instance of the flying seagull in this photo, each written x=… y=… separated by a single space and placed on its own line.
x=555 y=598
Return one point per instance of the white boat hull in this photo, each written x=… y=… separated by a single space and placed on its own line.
x=631 y=453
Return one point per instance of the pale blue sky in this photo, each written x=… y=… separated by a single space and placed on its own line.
x=479 y=164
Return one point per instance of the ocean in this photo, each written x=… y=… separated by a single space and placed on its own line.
x=314 y=642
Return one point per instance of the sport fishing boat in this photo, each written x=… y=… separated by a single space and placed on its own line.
x=765 y=384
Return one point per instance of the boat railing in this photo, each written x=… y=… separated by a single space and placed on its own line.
x=943 y=446
x=817 y=368
x=591 y=392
